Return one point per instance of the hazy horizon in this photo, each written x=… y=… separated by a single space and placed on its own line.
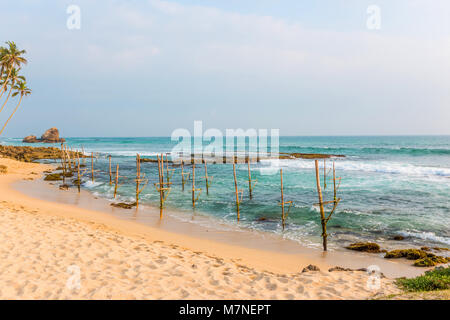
x=145 y=68
x=281 y=136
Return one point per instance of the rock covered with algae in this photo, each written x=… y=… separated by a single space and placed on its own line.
x=365 y=247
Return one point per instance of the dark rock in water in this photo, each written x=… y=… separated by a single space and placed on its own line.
x=410 y=254
x=49 y=136
x=441 y=249
x=53 y=177
x=64 y=187
x=124 y=205
x=311 y=268
x=337 y=268
x=151 y=160
x=398 y=238
x=421 y=256
x=30 y=139
x=430 y=261
x=262 y=219
x=365 y=247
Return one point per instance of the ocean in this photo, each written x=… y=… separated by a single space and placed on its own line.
x=391 y=186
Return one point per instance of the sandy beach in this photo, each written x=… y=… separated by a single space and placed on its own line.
x=46 y=247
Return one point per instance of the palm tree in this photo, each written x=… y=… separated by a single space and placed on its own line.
x=11 y=57
x=20 y=87
x=2 y=66
x=13 y=78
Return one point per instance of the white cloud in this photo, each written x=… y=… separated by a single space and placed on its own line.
x=204 y=53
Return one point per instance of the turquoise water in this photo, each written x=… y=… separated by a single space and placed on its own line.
x=390 y=186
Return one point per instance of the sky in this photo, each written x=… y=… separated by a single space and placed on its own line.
x=148 y=67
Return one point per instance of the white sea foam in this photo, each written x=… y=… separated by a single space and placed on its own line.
x=131 y=153
x=430 y=236
x=89 y=184
x=365 y=166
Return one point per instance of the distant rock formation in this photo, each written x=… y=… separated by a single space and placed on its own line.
x=30 y=139
x=49 y=136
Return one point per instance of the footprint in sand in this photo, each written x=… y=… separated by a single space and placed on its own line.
x=283 y=280
x=271 y=286
x=300 y=289
x=214 y=282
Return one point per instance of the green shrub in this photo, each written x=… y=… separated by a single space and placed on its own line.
x=436 y=279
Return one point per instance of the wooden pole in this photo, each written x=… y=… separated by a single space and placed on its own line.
x=63 y=163
x=334 y=184
x=138 y=176
x=161 y=196
x=110 y=172
x=283 y=219
x=322 y=212
x=68 y=158
x=167 y=170
x=84 y=158
x=162 y=172
x=193 y=184
x=92 y=166
x=324 y=174
x=236 y=189
x=182 y=175
x=78 y=174
x=140 y=179
x=161 y=186
x=206 y=177
x=249 y=180
x=116 y=181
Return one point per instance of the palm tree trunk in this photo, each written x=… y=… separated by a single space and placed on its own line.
x=17 y=107
x=4 y=85
x=4 y=104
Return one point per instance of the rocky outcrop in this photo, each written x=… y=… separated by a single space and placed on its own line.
x=30 y=139
x=29 y=154
x=309 y=268
x=365 y=247
x=49 y=136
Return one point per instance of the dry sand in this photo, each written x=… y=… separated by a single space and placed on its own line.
x=45 y=247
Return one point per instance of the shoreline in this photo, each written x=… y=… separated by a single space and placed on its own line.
x=293 y=256
x=267 y=262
